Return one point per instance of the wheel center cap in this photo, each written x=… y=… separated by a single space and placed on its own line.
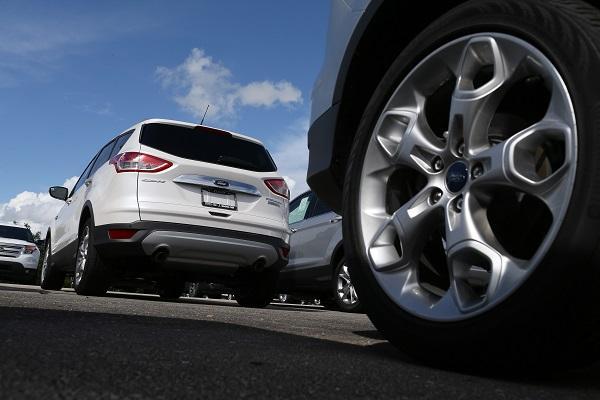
x=457 y=176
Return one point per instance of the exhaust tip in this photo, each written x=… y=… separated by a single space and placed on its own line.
x=160 y=255
x=260 y=264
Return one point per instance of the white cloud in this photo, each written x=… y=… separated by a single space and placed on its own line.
x=200 y=81
x=291 y=156
x=36 y=209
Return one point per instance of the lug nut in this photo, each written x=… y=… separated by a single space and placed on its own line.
x=438 y=164
x=459 y=204
x=435 y=196
x=477 y=171
x=461 y=149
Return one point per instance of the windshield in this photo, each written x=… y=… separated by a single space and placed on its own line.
x=15 y=232
x=207 y=145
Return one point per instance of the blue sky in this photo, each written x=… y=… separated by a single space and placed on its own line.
x=74 y=74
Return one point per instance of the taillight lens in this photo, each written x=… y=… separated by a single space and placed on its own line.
x=139 y=162
x=278 y=186
x=30 y=249
x=284 y=251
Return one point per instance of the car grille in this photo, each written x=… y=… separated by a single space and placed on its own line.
x=10 y=250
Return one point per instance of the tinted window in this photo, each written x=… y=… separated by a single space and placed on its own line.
x=299 y=208
x=102 y=158
x=320 y=208
x=14 y=232
x=82 y=177
x=207 y=145
x=121 y=140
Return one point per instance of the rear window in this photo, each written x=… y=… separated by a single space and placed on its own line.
x=207 y=145
x=14 y=232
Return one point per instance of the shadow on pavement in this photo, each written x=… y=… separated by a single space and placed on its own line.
x=61 y=353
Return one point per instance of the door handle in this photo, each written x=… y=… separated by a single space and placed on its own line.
x=293 y=230
x=88 y=182
x=336 y=219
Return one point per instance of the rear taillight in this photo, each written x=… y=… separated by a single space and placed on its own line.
x=284 y=251
x=30 y=249
x=120 y=234
x=139 y=162
x=278 y=186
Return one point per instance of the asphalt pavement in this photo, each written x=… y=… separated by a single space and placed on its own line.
x=57 y=345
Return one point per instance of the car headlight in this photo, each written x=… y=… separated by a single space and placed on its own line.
x=29 y=249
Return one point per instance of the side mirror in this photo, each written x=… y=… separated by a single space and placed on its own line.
x=59 y=192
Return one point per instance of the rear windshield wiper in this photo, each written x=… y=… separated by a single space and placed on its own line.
x=235 y=162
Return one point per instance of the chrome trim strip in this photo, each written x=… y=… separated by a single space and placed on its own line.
x=209 y=181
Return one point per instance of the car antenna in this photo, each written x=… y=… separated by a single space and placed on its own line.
x=204 y=116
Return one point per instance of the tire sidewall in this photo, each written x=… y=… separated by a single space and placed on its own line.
x=571 y=44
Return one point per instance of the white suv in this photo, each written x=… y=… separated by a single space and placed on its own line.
x=172 y=202
x=19 y=254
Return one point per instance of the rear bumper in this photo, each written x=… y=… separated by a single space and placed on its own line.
x=190 y=248
x=322 y=177
x=15 y=271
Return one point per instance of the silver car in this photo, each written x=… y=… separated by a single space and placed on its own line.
x=460 y=142
x=317 y=267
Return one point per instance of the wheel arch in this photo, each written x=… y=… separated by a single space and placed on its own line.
x=380 y=35
x=87 y=211
x=337 y=255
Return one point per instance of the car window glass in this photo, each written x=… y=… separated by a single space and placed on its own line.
x=82 y=177
x=102 y=158
x=13 y=232
x=208 y=145
x=320 y=208
x=299 y=208
x=121 y=140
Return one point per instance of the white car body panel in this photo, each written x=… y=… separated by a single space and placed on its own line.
x=345 y=15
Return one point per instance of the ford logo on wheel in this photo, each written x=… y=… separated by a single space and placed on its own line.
x=222 y=183
x=457 y=177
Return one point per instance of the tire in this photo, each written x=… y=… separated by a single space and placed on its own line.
x=547 y=318
x=171 y=289
x=92 y=275
x=344 y=294
x=260 y=291
x=50 y=278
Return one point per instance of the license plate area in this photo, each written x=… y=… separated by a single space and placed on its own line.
x=221 y=199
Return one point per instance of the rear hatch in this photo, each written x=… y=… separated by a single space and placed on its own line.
x=216 y=179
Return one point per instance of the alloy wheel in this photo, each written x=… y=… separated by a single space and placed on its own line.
x=467 y=176
x=82 y=254
x=345 y=289
x=45 y=263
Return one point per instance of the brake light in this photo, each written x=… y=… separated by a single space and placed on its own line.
x=119 y=234
x=284 y=251
x=139 y=162
x=278 y=186
x=30 y=249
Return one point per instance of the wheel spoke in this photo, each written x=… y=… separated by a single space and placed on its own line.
x=469 y=223
x=480 y=274
x=398 y=241
x=482 y=74
x=406 y=140
x=534 y=161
